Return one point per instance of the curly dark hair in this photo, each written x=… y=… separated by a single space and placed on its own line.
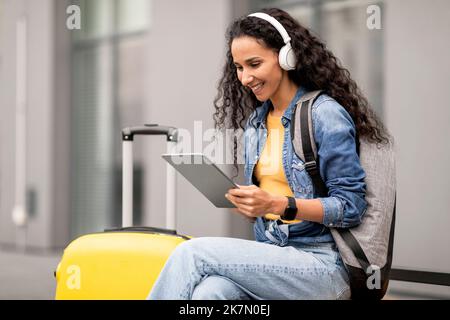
x=317 y=68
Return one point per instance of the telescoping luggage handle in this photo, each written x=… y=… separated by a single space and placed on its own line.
x=128 y=134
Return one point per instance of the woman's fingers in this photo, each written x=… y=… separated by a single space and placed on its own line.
x=241 y=205
x=243 y=191
x=239 y=192
x=243 y=200
x=238 y=200
x=232 y=199
x=247 y=210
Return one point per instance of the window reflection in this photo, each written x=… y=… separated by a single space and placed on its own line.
x=108 y=67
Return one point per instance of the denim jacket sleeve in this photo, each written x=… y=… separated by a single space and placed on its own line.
x=339 y=165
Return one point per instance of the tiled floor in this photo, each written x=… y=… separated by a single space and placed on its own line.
x=27 y=276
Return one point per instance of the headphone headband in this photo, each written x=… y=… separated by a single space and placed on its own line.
x=286 y=56
x=274 y=22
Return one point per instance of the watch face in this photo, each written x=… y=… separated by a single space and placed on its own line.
x=291 y=214
x=291 y=211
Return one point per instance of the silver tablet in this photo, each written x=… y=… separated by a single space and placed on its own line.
x=204 y=175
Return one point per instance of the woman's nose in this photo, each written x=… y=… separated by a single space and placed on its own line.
x=246 y=78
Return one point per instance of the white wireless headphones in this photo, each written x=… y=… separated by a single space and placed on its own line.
x=286 y=57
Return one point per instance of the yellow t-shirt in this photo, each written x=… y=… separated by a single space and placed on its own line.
x=269 y=169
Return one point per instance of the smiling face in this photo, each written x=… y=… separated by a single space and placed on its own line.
x=257 y=67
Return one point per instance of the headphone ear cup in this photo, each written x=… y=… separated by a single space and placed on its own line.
x=287 y=58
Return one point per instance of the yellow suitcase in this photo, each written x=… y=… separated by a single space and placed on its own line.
x=121 y=263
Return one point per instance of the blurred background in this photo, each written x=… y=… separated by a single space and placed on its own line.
x=66 y=93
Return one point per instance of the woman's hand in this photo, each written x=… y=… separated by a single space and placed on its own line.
x=254 y=202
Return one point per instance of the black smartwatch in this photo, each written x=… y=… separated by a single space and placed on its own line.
x=291 y=210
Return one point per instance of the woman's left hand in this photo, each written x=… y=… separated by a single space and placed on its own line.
x=253 y=202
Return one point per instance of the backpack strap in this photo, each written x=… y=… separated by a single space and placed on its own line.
x=353 y=244
x=302 y=136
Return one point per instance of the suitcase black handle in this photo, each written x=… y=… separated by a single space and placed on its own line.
x=150 y=129
x=147 y=230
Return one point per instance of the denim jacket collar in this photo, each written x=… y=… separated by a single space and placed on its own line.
x=262 y=111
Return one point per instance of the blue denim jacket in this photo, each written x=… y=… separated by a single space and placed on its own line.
x=339 y=165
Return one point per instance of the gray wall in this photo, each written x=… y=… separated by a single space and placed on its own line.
x=418 y=114
x=417 y=109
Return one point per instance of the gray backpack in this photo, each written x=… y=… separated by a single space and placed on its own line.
x=367 y=248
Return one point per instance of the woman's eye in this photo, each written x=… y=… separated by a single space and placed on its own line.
x=253 y=65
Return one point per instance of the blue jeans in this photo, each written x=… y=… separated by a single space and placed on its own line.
x=231 y=269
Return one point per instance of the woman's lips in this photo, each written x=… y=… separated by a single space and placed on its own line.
x=257 y=88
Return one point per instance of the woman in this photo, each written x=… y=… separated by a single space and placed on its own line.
x=294 y=255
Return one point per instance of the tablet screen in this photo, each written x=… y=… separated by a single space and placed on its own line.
x=204 y=175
